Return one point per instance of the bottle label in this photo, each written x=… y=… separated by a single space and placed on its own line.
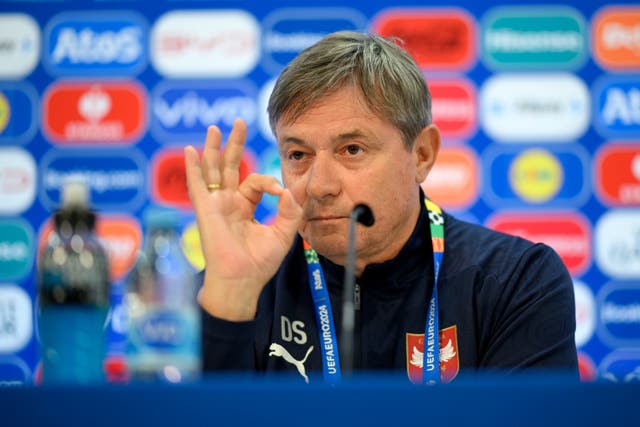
x=165 y=329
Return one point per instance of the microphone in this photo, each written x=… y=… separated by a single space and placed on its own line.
x=361 y=213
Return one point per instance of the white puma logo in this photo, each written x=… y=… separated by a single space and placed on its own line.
x=279 y=351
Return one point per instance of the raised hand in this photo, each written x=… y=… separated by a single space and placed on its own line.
x=241 y=255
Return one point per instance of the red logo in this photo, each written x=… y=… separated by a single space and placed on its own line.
x=567 y=233
x=106 y=112
x=586 y=367
x=454 y=107
x=435 y=38
x=617 y=170
x=169 y=178
x=449 y=359
x=453 y=181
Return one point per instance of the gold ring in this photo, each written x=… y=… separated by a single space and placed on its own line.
x=212 y=187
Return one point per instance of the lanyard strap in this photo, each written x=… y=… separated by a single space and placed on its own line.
x=324 y=315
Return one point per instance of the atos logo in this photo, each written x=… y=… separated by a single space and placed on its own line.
x=441 y=39
x=534 y=37
x=540 y=177
x=16 y=249
x=97 y=43
x=205 y=43
x=551 y=107
x=454 y=106
x=16 y=319
x=620 y=314
x=617 y=174
x=453 y=181
x=617 y=243
x=288 y=31
x=617 y=100
x=19 y=45
x=569 y=234
x=106 y=112
x=169 y=178
x=116 y=178
x=18 y=112
x=621 y=366
x=17 y=180
x=183 y=111
x=616 y=44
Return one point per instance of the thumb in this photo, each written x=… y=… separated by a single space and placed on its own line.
x=289 y=215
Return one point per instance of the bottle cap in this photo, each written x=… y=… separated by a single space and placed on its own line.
x=75 y=194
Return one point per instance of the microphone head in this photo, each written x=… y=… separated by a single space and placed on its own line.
x=363 y=214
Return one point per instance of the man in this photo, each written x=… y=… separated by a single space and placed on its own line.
x=352 y=119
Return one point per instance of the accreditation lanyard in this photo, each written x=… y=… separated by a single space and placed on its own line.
x=324 y=314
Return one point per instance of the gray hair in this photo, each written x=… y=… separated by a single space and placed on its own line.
x=393 y=86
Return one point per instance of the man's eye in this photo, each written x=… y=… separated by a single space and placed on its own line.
x=296 y=155
x=353 y=149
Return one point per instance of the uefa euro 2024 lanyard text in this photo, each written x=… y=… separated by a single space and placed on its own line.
x=324 y=315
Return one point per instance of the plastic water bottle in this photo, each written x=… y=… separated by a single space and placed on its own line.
x=163 y=315
x=73 y=291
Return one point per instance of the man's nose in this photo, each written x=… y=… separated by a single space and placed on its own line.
x=324 y=178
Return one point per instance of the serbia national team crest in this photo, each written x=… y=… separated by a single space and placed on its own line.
x=449 y=362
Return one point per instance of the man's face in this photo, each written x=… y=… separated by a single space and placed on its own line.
x=338 y=154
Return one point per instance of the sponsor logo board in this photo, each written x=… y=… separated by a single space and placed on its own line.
x=617 y=243
x=534 y=38
x=288 y=31
x=16 y=249
x=532 y=176
x=617 y=106
x=18 y=112
x=621 y=366
x=526 y=107
x=94 y=112
x=182 y=111
x=103 y=43
x=19 y=45
x=619 y=307
x=17 y=180
x=437 y=38
x=568 y=234
x=454 y=180
x=454 y=107
x=205 y=43
x=16 y=318
x=116 y=178
x=617 y=174
x=615 y=41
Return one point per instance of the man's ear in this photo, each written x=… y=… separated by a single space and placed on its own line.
x=426 y=147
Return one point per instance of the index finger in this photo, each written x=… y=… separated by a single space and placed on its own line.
x=232 y=155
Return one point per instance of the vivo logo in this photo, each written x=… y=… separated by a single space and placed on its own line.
x=103 y=43
x=535 y=107
x=183 y=111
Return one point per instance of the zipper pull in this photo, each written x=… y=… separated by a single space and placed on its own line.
x=356 y=296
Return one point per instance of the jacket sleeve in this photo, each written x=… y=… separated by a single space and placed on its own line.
x=532 y=324
x=227 y=346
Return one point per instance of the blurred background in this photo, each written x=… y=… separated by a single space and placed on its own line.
x=538 y=105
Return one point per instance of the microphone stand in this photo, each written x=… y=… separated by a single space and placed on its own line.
x=361 y=213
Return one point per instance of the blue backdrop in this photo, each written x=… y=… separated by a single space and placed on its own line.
x=539 y=107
